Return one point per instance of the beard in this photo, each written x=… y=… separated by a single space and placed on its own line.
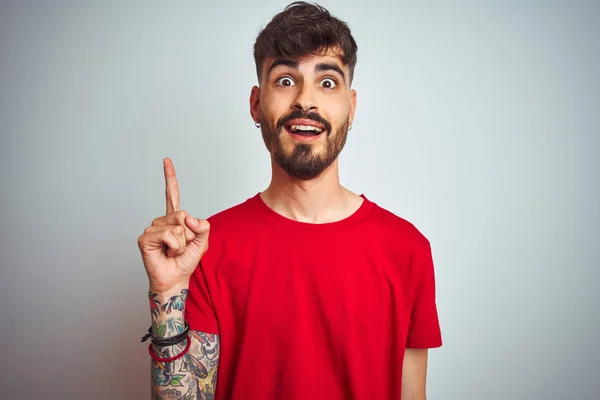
x=304 y=162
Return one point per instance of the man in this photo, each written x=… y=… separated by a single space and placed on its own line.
x=307 y=290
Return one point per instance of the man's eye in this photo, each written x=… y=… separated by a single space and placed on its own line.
x=328 y=83
x=285 y=81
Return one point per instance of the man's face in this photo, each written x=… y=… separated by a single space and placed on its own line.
x=305 y=108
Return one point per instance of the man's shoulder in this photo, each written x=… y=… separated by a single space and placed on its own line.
x=235 y=215
x=397 y=226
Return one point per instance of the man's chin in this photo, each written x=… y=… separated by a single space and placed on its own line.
x=303 y=175
x=302 y=167
x=301 y=151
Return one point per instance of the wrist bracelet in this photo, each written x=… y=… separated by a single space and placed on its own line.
x=167 y=341
x=170 y=359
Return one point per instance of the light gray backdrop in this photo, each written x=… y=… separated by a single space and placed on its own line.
x=479 y=121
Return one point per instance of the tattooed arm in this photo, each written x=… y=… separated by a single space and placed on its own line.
x=194 y=376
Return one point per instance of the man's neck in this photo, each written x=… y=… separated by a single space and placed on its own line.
x=319 y=200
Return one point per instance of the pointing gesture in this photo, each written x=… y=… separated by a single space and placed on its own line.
x=172 y=190
x=174 y=243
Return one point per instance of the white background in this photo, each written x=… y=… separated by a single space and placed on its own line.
x=478 y=121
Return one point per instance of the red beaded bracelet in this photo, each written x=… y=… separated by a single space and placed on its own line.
x=170 y=359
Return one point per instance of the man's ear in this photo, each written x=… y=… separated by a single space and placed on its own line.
x=352 y=106
x=255 y=104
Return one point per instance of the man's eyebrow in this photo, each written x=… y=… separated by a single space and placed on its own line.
x=282 y=61
x=323 y=67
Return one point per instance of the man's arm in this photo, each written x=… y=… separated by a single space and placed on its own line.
x=172 y=247
x=194 y=376
x=414 y=372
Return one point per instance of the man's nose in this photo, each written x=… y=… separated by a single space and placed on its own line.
x=305 y=101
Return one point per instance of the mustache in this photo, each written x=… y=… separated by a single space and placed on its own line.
x=302 y=115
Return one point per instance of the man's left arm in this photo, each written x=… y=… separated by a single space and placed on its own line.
x=424 y=328
x=414 y=373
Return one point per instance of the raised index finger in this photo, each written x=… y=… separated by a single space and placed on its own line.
x=172 y=190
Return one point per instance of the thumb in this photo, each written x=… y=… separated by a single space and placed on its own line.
x=200 y=227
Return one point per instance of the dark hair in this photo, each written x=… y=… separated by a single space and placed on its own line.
x=303 y=29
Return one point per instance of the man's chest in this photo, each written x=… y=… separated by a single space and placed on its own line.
x=337 y=285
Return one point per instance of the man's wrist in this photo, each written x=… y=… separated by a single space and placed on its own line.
x=163 y=292
x=167 y=311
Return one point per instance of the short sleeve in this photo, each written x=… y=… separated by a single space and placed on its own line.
x=199 y=308
x=424 y=329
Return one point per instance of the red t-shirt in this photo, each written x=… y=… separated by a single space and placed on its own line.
x=313 y=311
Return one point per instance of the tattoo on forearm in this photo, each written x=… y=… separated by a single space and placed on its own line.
x=175 y=302
x=194 y=376
x=154 y=304
x=170 y=326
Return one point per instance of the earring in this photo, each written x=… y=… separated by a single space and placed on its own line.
x=349 y=128
x=256 y=124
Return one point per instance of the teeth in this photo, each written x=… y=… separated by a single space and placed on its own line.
x=295 y=128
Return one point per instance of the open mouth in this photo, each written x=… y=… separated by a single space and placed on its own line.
x=304 y=128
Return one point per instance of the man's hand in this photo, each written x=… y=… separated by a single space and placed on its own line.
x=174 y=244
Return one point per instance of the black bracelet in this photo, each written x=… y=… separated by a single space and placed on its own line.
x=168 y=341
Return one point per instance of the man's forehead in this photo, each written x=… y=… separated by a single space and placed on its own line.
x=329 y=55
